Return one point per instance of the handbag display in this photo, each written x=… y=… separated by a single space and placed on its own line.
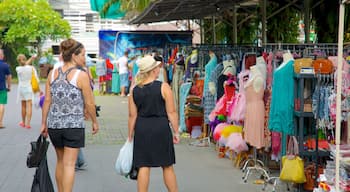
x=323 y=66
x=292 y=164
x=35 y=82
x=37 y=152
x=302 y=63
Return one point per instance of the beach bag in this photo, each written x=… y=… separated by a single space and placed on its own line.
x=35 y=82
x=123 y=164
x=292 y=164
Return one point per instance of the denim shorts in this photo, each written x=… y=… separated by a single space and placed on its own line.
x=124 y=80
x=67 y=137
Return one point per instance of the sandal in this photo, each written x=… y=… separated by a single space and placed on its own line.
x=27 y=127
x=21 y=124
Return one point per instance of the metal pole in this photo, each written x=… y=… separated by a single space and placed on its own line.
x=234 y=25
x=264 y=21
x=214 y=30
x=338 y=101
x=307 y=20
x=201 y=30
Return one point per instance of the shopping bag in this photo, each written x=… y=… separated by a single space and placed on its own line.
x=292 y=164
x=42 y=181
x=35 y=82
x=123 y=163
x=37 y=152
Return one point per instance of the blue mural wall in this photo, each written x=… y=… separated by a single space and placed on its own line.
x=113 y=44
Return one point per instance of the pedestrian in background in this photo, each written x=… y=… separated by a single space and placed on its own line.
x=162 y=77
x=151 y=108
x=123 y=73
x=5 y=85
x=25 y=92
x=68 y=93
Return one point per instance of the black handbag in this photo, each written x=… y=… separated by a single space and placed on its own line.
x=42 y=181
x=133 y=173
x=37 y=152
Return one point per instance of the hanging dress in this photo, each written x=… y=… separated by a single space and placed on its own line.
x=209 y=99
x=254 y=116
x=115 y=80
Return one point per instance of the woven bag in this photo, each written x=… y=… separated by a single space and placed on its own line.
x=302 y=63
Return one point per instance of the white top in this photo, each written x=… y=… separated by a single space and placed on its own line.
x=123 y=65
x=24 y=74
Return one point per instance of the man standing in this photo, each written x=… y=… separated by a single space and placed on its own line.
x=5 y=85
x=124 y=73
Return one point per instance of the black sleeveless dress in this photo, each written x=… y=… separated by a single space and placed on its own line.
x=153 y=140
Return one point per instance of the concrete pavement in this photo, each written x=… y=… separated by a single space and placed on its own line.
x=197 y=168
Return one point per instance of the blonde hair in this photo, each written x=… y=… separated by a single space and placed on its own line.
x=19 y=56
x=141 y=77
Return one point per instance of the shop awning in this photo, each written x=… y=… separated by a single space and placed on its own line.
x=169 y=10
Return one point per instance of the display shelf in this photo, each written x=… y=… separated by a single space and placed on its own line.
x=312 y=153
x=303 y=114
x=305 y=76
x=303 y=120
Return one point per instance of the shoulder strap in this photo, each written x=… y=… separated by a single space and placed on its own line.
x=73 y=81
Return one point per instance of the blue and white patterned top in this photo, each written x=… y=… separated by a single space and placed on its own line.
x=67 y=105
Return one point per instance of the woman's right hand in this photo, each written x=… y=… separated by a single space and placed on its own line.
x=176 y=138
x=95 y=128
x=44 y=131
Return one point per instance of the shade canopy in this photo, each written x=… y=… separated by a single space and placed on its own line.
x=169 y=10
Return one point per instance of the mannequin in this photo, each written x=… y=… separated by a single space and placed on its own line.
x=177 y=78
x=229 y=67
x=191 y=62
x=209 y=98
x=286 y=58
x=255 y=109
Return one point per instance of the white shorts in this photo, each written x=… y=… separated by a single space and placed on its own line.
x=25 y=93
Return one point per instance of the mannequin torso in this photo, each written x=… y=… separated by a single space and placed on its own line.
x=256 y=78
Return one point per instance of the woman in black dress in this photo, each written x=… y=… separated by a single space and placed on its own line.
x=153 y=124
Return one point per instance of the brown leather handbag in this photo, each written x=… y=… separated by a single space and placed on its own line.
x=323 y=66
x=302 y=63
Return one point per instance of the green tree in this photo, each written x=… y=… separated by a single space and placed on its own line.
x=131 y=7
x=27 y=23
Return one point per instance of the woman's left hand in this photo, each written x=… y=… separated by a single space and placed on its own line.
x=176 y=139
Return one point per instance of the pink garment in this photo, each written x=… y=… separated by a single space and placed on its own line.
x=222 y=106
x=243 y=77
x=269 y=70
x=236 y=143
x=276 y=143
x=236 y=111
x=334 y=60
x=254 y=116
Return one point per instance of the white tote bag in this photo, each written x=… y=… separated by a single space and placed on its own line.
x=123 y=163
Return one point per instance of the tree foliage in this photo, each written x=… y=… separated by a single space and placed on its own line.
x=131 y=7
x=25 y=23
x=282 y=27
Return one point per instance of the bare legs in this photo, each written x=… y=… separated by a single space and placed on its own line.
x=143 y=179
x=2 y=111
x=65 y=168
x=122 y=91
x=26 y=112
x=169 y=178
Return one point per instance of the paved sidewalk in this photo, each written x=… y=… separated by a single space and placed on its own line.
x=197 y=168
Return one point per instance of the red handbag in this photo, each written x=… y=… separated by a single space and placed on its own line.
x=323 y=66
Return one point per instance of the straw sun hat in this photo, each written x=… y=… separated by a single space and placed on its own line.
x=147 y=63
